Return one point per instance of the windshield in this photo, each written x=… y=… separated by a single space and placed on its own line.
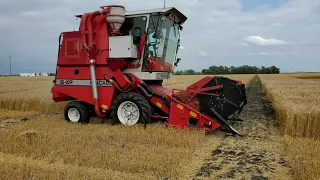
x=162 y=40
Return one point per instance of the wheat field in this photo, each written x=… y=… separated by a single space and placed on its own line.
x=27 y=94
x=297 y=103
x=47 y=147
x=306 y=76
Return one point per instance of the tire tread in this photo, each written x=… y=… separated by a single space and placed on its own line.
x=139 y=100
x=83 y=109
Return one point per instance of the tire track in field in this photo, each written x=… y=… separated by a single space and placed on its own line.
x=259 y=154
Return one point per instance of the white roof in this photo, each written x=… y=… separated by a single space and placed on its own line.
x=182 y=17
x=173 y=10
x=148 y=11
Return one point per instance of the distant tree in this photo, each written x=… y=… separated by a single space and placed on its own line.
x=274 y=70
x=245 y=69
x=179 y=72
x=190 y=72
x=204 y=71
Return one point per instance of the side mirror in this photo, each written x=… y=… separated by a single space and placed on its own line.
x=177 y=62
x=178 y=47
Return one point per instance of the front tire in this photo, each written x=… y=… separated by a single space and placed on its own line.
x=76 y=112
x=129 y=109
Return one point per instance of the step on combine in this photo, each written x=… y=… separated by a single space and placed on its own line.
x=114 y=66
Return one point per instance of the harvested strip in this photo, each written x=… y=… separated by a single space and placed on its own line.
x=259 y=154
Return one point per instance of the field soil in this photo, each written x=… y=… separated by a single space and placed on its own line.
x=258 y=155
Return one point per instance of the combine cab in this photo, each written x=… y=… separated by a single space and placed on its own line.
x=114 y=66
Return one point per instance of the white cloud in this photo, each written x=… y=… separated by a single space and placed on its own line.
x=244 y=44
x=181 y=48
x=260 y=41
x=293 y=53
x=263 y=54
x=277 y=24
x=202 y=53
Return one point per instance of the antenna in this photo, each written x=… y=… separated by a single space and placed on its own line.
x=164 y=3
x=10 y=63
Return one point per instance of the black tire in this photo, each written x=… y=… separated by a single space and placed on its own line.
x=82 y=109
x=142 y=104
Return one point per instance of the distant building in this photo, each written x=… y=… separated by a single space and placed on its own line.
x=27 y=74
x=33 y=74
x=43 y=74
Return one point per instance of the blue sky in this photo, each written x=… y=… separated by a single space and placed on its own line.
x=284 y=33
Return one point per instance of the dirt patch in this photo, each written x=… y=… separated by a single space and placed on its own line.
x=4 y=123
x=259 y=154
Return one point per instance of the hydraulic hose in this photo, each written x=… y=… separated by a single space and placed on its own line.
x=147 y=90
x=144 y=91
x=152 y=92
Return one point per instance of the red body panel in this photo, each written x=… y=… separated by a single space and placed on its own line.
x=84 y=93
x=77 y=48
x=71 y=51
x=106 y=94
x=180 y=114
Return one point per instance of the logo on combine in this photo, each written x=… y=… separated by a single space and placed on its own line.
x=76 y=82
x=102 y=83
x=65 y=82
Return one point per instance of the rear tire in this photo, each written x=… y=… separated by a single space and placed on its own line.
x=76 y=112
x=129 y=109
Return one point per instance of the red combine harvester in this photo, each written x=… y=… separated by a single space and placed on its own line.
x=114 y=66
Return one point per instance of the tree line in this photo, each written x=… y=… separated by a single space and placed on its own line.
x=231 y=70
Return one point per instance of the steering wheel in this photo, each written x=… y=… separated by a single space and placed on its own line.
x=153 y=43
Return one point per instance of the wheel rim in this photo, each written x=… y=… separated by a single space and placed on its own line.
x=128 y=113
x=74 y=115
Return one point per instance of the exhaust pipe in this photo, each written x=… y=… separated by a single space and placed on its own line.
x=95 y=89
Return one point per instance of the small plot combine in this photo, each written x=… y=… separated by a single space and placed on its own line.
x=115 y=64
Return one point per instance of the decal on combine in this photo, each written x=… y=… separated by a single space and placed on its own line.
x=180 y=106
x=159 y=105
x=104 y=106
x=193 y=114
x=73 y=82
